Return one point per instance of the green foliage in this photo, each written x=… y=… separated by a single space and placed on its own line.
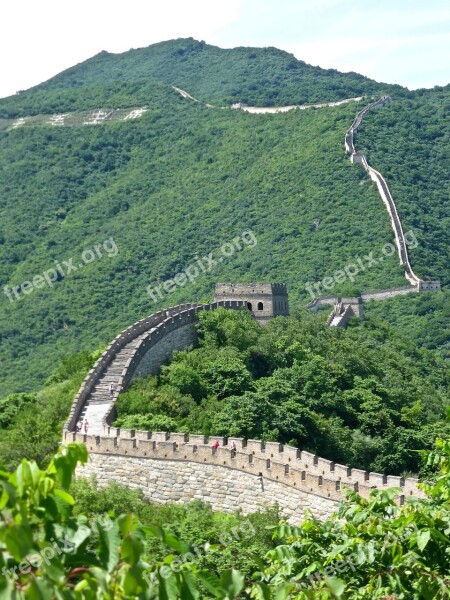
x=372 y=548
x=13 y=405
x=52 y=545
x=73 y=366
x=31 y=424
x=424 y=318
x=364 y=397
x=182 y=172
x=259 y=76
x=221 y=541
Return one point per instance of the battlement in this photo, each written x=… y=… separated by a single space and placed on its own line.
x=280 y=463
x=425 y=286
x=250 y=288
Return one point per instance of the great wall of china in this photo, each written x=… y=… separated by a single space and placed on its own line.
x=239 y=475
x=345 y=308
x=245 y=475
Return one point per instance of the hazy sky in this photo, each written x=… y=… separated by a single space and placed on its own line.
x=396 y=41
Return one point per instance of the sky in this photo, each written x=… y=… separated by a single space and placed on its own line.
x=394 y=41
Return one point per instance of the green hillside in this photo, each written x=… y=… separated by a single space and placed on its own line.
x=155 y=192
x=259 y=76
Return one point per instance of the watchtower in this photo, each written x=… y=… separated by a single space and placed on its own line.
x=264 y=300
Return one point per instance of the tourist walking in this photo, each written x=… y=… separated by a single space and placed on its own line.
x=111 y=389
x=86 y=426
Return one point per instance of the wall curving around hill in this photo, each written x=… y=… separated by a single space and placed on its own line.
x=245 y=475
x=139 y=350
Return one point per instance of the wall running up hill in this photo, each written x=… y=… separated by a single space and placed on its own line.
x=383 y=189
x=139 y=350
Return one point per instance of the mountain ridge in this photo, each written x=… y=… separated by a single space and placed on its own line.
x=255 y=76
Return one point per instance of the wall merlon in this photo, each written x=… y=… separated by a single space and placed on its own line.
x=143 y=435
x=198 y=439
x=274 y=449
x=394 y=481
x=126 y=434
x=255 y=446
x=179 y=438
x=377 y=479
x=239 y=442
x=308 y=459
x=324 y=466
x=291 y=454
x=342 y=472
x=160 y=436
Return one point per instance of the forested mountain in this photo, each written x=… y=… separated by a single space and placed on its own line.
x=176 y=183
x=259 y=76
x=119 y=183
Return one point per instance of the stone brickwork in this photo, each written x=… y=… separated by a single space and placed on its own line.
x=121 y=344
x=172 y=481
x=159 y=354
x=151 y=342
x=239 y=474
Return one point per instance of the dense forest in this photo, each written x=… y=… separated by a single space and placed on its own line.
x=177 y=183
x=183 y=179
x=258 y=76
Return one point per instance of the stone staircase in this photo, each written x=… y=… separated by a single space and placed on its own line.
x=99 y=401
x=94 y=399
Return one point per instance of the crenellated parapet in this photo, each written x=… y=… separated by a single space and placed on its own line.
x=175 y=332
x=119 y=342
x=291 y=467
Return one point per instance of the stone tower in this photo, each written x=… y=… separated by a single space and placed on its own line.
x=265 y=300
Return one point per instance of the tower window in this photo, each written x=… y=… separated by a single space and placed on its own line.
x=249 y=306
x=260 y=306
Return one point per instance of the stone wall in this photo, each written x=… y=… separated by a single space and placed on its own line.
x=388 y=293
x=124 y=338
x=177 y=339
x=174 y=481
x=430 y=286
x=239 y=474
x=265 y=300
x=383 y=189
